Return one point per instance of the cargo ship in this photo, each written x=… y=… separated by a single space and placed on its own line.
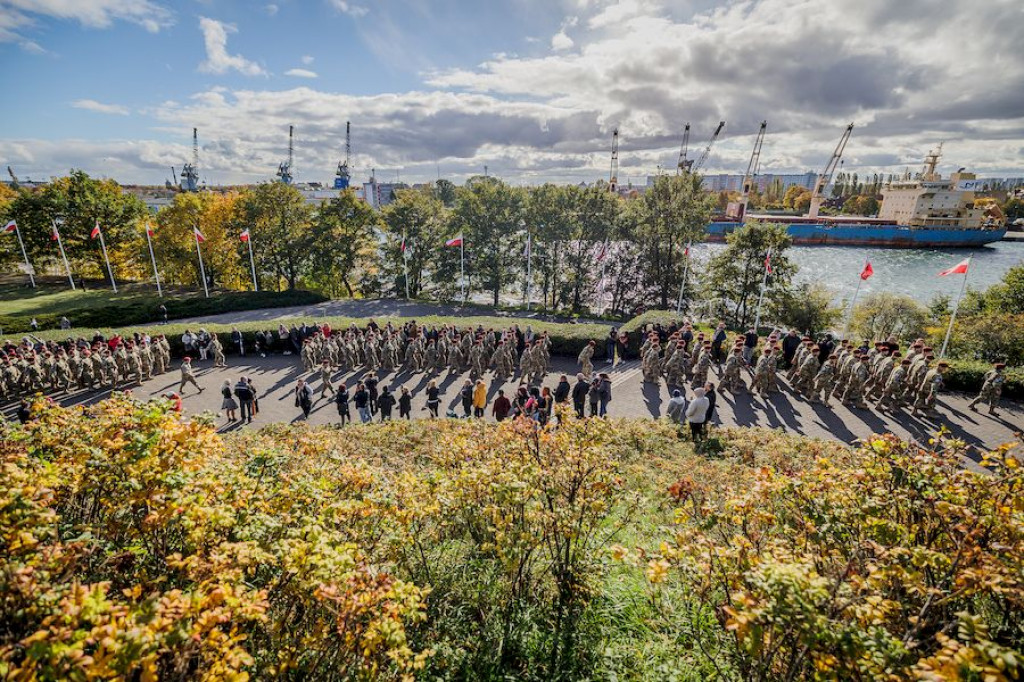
x=927 y=211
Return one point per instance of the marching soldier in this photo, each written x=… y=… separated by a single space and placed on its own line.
x=992 y=389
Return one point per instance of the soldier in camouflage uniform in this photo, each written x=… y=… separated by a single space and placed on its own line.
x=992 y=389
x=651 y=363
x=477 y=360
x=892 y=393
x=187 y=376
x=675 y=365
x=325 y=378
x=704 y=362
x=218 y=351
x=859 y=372
x=109 y=370
x=585 y=357
x=732 y=379
x=825 y=381
x=807 y=371
x=929 y=390
x=763 y=372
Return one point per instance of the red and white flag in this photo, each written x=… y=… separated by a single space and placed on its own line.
x=686 y=250
x=199 y=235
x=603 y=253
x=10 y=227
x=95 y=231
x=457 y=241
x=958 y=269
x=768 y=261
x=54 y=237
x=867 y=271
x=244 y=236
x=149 y=230
x=402 y=247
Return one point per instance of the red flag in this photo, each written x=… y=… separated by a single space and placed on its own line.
x=603 y=253
x=54 y=237
x=10 y=227
x=958 y=269
x=199 y=235
x=457 y=241
x=768 y=262
x=95 y=231
x=149 y=230
x=403 y=245
x=686 y=251
x=867 y=271
x=244 y=236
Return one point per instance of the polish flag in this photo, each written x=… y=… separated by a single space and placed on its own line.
x=149 y=230
x=403 y=245
x=867 y=271
x=454 y=242
x=95 y=231
x=244 y=236
x=603 y=253
x=54 y=237
x=11 y=226
x=768 y=261
x=958 y=269
x=199 y=235
x=686 y=251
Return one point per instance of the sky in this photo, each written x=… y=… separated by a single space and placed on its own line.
x=531 y=89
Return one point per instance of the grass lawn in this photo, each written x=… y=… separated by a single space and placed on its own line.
x=48 y=299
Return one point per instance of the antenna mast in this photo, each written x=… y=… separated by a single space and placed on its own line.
x=613 y=177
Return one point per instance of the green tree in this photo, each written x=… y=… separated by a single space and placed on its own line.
x=490 y=215
x=444 y=191
x=342 y=239
x=734 y=274
x=883 y=314
x=673 y=212
x=174 y=240
x=418 y=220
x=807 y=308
x=279 y=219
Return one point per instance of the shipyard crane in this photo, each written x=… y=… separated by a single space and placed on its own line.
x=284 y=171
x=684 y=163
x=14 y=178
x=818 y=196
x=344 y=175
x=613 y=176
x=190 y=171
x=748 y=177
x=707 y=150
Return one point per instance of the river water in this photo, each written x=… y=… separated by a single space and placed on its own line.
x=914 y=272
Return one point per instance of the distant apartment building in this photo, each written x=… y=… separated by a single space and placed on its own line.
x=380 y=194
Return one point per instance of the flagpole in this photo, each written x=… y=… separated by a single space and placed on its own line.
x=110 y=270
x=202 y=268
x=682 y=285
x=952 y=318
x=764 y=285
x=405 y=266
x=252 y=263
x=152 y=258
x=60 y=244
x=529 y=266
x=853 y=303
x=604 y=272
x=28 y=266
x=462 y=265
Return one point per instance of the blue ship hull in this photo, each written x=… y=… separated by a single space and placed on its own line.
x=867 y=234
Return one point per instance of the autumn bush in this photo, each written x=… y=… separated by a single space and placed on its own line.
x=135 y=544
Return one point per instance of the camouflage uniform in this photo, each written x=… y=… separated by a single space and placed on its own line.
x=731 y=377
x=991 y=390
x=854 y=392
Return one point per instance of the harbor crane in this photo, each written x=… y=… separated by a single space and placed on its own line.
x=14 y=178
x=613 y=176
x=748 y=177
x=190 y=171
x=284 y=170
x=344 y=174
x=818 y=196
x=684 y=163
x=707 y=150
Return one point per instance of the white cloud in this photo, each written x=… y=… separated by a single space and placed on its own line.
x=218 y=61
x=301 y=73
x=271 y=9
x=307 y=59
x=20 y=16
x=561 y=41
x=346 y=7
x=99 y=107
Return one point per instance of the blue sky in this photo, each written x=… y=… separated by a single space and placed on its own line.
x=531 y=88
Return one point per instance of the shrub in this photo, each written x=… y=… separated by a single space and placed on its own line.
x=884 y=314
x=969 y=375
x=990 y=337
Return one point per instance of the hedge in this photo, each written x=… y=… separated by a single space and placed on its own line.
x=129 y=314
x=969 y=375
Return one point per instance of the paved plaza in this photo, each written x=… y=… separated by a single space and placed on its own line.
x=275 y=378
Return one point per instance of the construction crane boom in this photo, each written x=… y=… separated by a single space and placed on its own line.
x=707 y=150
x=613 y=176
x=14 y=178
x=818 y=196
x=284 y=170
x=344 y=174
x=684 y=163
x=190 y=171
x=748 y=177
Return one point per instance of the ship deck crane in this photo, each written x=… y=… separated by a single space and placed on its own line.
x=344 y=175
x=707 y=150
x=284 y=170
x=748 y=177
x=613 y=176
x=818 y=196
x=684 y=163
x=190 y=171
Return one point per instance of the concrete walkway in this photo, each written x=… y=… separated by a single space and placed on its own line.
x=275 y=379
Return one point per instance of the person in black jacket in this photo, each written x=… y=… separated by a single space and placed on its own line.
x=789 y=346
x=245 y=399
x=341 y=400
x=579 y=394
x=433 y=398
x=236 y=338
x=24 y=411
x=361 y=398
x=466 y=394
x=405 y=404
x=562 y=390
x=709 y=392
x=385 y=402
x=303 y=397
x=371 y=389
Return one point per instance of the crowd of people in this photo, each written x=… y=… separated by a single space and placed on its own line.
x=859 y=376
